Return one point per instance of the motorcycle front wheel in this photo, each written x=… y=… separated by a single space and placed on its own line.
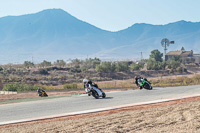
x=147 y=86
x=103 y=95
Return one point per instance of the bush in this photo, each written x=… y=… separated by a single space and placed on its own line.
x=43 y=71
x=135 y=66
x=155 y=65
x=179 y=69
x=1 y=69
x=122 y=66
x=28 y=64
x=70 y=86
x=106 y=67
x=45 y=64
x=84 y=69
x=174 y=63
x=19 y=87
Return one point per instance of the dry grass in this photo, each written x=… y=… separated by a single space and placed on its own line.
x=177 y=81
x=156 y=82
x=182 y=117
x=117 y=84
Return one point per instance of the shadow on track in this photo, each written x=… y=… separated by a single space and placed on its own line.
x=107 y=98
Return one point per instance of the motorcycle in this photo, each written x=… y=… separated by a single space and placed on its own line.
x=95 y=92
x=143 y=83
x=42 y=93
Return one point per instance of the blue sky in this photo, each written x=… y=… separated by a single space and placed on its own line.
x=111 y=15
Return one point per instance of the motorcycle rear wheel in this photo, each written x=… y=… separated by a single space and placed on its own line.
x=95 y=94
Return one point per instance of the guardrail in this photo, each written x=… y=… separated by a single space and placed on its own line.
x=7 y=92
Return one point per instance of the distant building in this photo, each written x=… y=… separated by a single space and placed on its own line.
x=185 y=56
x=197 y=58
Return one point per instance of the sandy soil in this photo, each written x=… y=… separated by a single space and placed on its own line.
x=174 y=116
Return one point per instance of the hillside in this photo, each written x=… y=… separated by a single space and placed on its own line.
x=55 y=34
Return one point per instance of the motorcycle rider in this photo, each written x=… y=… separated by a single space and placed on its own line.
x=86 y=83
x=139 y=78
x=39 y=91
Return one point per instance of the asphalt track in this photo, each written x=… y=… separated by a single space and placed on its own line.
x=25 y=111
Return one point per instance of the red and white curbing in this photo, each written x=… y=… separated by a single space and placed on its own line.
x=93 y=110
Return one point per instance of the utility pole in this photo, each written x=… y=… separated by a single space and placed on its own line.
x=141 y=56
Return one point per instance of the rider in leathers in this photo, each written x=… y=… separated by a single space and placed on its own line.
x=138 y=78
x=87 y=83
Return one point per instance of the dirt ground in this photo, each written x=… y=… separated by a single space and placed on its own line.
x=174 y=116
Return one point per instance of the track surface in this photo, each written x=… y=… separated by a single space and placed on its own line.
x=63 y=105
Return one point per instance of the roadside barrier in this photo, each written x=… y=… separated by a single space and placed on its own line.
x=7 y=92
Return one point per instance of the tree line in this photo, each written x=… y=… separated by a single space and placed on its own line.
x=154 y=62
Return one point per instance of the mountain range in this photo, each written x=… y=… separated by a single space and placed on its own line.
x=55 y=34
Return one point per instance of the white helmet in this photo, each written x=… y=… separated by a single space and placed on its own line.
x=85 y=80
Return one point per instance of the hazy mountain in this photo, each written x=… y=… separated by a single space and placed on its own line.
x=54 y=34
x=146 y=37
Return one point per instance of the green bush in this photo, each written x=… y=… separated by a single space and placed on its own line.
x=179 y=69
x=84 y=69
x=45 y=64
x=70 y=86
x=122 y=66
x=43 y=71
x=1 y=68
x=135 y=66
x=19 y=87
x=106 y=67
x=28 y=64
x=174 y=63
x=155 y=65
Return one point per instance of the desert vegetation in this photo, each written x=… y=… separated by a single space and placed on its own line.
x=68 y=75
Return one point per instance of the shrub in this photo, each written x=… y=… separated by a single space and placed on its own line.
x=43 y=71
x=174 y=63
x=122 y=66
x=28 y=64
x=135 y=66
x=179 y=69
x=70 y=86
x=187 y=81
x=45 y=64
x=60 y=63
x=84 y=69
x=106 y=67
x=155 y=65
x=19 y=87
x=1 y=69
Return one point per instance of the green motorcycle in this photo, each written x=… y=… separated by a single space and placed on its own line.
x=143 y=83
